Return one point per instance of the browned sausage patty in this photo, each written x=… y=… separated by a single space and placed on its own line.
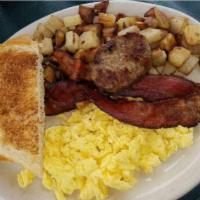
x=120 y=62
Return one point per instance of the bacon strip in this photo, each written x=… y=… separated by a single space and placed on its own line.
x=63 y=97
x=163 y=114
x=158 y=87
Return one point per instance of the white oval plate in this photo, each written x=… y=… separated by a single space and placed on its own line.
x=179 y=174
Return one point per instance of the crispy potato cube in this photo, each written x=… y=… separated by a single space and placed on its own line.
x=192 y=34
x=168 y=43
x=97 y=28
x=87 y=14
x=160 y=69
x=153 y=35
x=159 y=57
x=41 y=32
x=178 y=56
x=131 y=29
x=54 y=23
x=125 y=22
x=46 y=46
x=150 y=13
x=71 y=41
x=59 y=38
x=151 y=22
x=189 y=65
x=49 y=74
x=169 y=69
x=163 y=20
x=108 y=20
x=73 y=20
x=153 y=71
x=195 y=49
x=101 y=7
x=177 y=24
x=88 y=40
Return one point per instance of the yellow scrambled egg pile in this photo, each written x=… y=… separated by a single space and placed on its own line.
x=92 y=152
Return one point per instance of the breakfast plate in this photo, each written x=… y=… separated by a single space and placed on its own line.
x=171 y=180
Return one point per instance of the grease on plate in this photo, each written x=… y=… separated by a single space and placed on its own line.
x=93 y=152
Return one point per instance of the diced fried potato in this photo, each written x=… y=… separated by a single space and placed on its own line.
x=159 y=57
x=168 y=43
x=177 y=24
x=49 y=74
x=169 y=69
x=41 y=32
x=72 y=20
x=88 y=40
x=59 y=38
x=141 y=25
x=160 y=69
x=178 y=56
x=163 y=20
x=153 y=35
x=54 y=23
x=192 y=34
x=153 y=71
x=101 y=7
x=108 y=20
x=130 y=29
x=150 y=13
x=46 y=46
x=86 y=55
x=71 y=41
x=86 y=13
x=195 y=49
x=151 y=22
x=126 y=22
x=97 y=28
x=189 y=65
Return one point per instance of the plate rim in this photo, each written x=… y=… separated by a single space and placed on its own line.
x=20 y=31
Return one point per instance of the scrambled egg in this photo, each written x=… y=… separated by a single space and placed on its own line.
x=92 y=152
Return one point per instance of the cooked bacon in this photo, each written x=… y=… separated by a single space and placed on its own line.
x=71 y=67
x=158 y=87
x=63 y=97
x=162 y=114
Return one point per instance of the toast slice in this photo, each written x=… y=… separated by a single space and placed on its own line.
x=21 y=103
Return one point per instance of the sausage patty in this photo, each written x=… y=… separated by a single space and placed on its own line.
x=120 y=62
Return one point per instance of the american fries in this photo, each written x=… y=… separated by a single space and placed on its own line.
x=153 y=71
x=101 y=7
x=97 y=28
x=159 y=57
x=131 y=29
x=168 y=43
x=163 y=20
x=59 y=38
x=126 y=22
x=87 y=14
x=108 y=20
x=192 y=34
x=71 y=41
x=189 y=65
x=178 y=56
x=41 y=32
x=88 y=40
x=175 y=43
x=177 y=24
x=169 y=69
x=153 y=35
x=46 y=46
x=72 y=20
x=54 y=23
